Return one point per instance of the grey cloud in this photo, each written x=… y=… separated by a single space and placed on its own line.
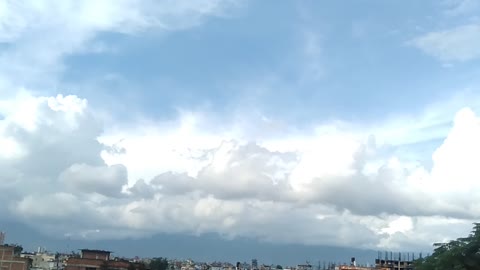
x=175 y=183
x=56 y=206
x=58 y=141
x=244 y=189
x=57 y=212
x=142 y=190
x=251 y=171
x=104 y=180
x=247 y=173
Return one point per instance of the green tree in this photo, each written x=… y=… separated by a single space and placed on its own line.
x=17 y=249
x=75 y=254
x=159 y=264
x=279 y=266
x=460 y=254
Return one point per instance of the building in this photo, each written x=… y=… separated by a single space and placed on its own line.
x=95 y=254
x=2 y=238
x=100 y=260
x=216 y=266
x=254 y=264
x=9 y=260
x=304 y=267
x=43 y=260
x=266 y=267
x=393 y=264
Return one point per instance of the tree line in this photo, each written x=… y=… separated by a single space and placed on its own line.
x=460 y=254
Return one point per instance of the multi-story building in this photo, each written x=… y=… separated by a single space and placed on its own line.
x=9 y=260
x=43 y=260
x=393 y=264
x=99 y=260
x=216 y=266
x=304 y=267
x=254 y=264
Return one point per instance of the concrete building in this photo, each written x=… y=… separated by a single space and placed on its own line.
x=304 y=267
x=393 y=264
x=395 y=261
x=216 y=266
x=95 y=254
x=100 y=260
x=44 y=261
x=11 y=261
x=254 y=264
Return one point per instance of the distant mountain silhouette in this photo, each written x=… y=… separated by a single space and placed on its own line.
x=208 y=247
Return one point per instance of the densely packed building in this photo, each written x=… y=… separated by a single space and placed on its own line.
x=10 y=259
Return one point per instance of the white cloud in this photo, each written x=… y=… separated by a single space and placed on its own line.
x=199 y=180
x=42 y=32
x=332 y=183
x=401 y=224
x=461 y=7
x=457 y=44
x=458 y=157
x=57 y=206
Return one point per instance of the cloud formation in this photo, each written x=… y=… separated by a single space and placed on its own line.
x=458 y=44
x=44 y=31
x=332 y=188
x=70 y=173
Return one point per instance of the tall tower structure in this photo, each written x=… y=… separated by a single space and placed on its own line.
x=2 y=238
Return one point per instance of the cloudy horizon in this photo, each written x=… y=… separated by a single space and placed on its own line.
x=306 y=123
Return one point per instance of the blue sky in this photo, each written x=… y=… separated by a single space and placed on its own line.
x=218 y=117
x=331 y=60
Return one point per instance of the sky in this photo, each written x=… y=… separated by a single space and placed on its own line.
x=320 y=123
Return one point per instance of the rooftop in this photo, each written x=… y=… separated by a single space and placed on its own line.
x=95 y=251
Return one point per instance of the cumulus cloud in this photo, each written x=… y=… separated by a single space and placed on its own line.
x=142 y=190
x=39 y=127
x=104 y=180
x=385 y=201
x=47 y=207
x=335 y=183
x=338 y=186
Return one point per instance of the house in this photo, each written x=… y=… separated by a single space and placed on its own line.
x=9 y=260
x=304 y=267
x=43 y=261
x=216 y=266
